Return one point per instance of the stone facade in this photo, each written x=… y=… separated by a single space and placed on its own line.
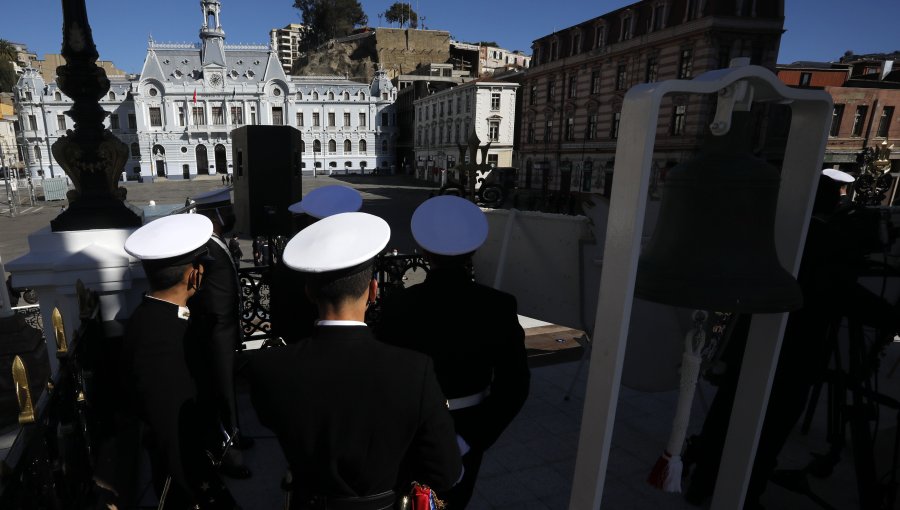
x=177 y=115
x=574 y=89
x=866 y=95
x=401 y=51
x=447 y=119
x=394 y=50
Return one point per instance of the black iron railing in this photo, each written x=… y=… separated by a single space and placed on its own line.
x=256 y=322
x=391 y=271
x=32 y=316
x=51 y=462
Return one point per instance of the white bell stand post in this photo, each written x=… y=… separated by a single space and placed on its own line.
x=738 y=87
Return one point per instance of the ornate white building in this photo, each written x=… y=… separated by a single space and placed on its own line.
x=177 y=115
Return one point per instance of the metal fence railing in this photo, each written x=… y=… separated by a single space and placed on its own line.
x=393 y=272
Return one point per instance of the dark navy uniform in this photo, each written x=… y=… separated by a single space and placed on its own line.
x=215 y=335
x=355 y=417
x=473 y=335
x=166 y=400
x=293 y=315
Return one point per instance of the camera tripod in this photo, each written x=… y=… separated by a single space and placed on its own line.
x=854 y=402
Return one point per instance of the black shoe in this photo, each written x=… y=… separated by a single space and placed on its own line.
x=239 y=472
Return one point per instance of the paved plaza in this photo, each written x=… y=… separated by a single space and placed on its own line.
x=532 y=464
x=392 y=197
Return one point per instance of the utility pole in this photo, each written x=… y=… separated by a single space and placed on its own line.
x=47 y=137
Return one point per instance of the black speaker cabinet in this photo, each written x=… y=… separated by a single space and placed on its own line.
x=266 y=178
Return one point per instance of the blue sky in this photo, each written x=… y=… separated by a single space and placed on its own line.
x=815 y=29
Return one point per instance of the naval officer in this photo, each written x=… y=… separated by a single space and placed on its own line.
x=172 y=252
x=293 y=314
x=215 y=332
x=843 y=180
x=471 y=332
x=357 y=419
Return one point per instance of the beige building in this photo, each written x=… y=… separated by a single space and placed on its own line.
x=47 y=66
x=487 y=60
x=24 y=58
x=574 y=89
x=286 y=43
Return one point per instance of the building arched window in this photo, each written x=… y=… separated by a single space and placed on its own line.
x=317 y=146
x=384 y=146
x=348 y=147
x=302 y=146
x=299 y=96
x=346 y=96
x=332 y=146
x=362 y=96
x=315 y=96
x=111 y=96
x=331 y=96
x=362 y=146
x=135 y=150
x=57 y=96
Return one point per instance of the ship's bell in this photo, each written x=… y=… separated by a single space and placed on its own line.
x=714 y=243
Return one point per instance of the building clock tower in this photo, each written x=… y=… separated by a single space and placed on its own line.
x=212 y=38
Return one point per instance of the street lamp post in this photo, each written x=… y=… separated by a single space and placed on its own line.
x=37 y=151
x=441 y=158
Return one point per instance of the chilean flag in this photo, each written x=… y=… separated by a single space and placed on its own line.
x=195 y=96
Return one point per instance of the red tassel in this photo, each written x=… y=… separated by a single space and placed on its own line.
x=660 y=471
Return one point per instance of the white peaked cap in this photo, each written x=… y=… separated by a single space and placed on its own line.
x=837 y=175
x=211 y=199
x=328 y=201
x=341 y=241
x=170 y=237
x=449 y=225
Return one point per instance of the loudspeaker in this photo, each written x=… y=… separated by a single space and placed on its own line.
x=266 y=178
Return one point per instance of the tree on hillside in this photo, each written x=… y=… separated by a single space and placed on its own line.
x=402 y=12
x=328 y=19
x=7 y=51
x=8 y=76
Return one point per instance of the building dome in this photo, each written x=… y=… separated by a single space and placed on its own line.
x=31 y=80
x=381 y=84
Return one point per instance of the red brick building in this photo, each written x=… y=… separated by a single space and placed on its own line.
x=574 y=89
x=866 y=95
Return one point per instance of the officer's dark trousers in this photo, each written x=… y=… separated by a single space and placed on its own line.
x=458 y=497
x=804 y=357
